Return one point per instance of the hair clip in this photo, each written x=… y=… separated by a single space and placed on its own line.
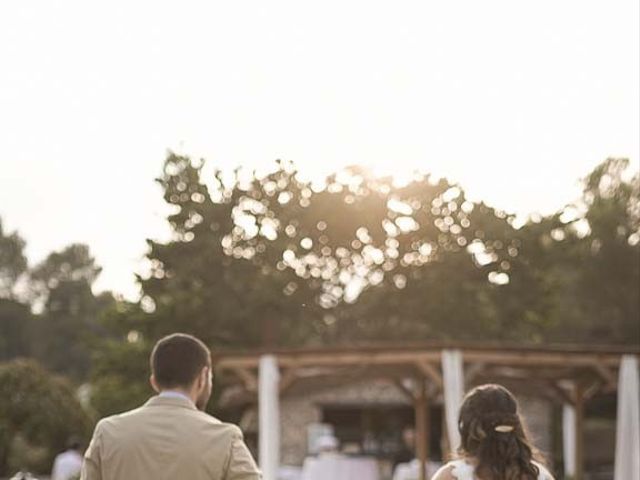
x=504 y=428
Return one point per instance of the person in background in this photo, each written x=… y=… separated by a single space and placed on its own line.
x=170 y=436
x=23 y=476
x=328 y=464
x=68 y=464
x=494 y=442
x=408 y=450
x=328 y=444
x=407 y=466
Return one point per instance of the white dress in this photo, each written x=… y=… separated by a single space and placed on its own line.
x=464 y=471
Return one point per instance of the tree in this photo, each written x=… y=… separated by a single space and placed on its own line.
x=449 y=269
x=309 y=263
x=15 y=317
x=590 y=255
x=72 y=265
x=612 y=252
x=16 y=323
x=274 y=259
x=200 y=283
x=62 y=285
x=120 y=363
x=37 y=409
x=13 y=262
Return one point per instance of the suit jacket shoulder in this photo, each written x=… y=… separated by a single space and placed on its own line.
x=170 y=438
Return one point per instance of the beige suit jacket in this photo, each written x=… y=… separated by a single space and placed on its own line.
x=167 y=438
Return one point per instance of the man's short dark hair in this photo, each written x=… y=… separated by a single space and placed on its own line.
x=177 y=359
x=73 y=443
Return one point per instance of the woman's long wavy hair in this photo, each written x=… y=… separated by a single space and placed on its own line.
x=493 y=434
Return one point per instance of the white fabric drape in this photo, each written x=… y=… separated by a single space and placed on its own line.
x=569 y=439
x=332 y=466
x=453 y=379
x=627 y=466
x=269 y=417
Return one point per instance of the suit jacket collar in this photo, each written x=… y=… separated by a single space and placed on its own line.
x=158 y=401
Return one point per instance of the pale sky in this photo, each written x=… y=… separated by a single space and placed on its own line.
x=514 y=100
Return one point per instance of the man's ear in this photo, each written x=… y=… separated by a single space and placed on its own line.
x=204 y=377
x=154 y=384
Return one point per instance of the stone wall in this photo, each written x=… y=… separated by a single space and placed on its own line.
x=304 y=406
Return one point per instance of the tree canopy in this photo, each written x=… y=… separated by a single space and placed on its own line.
x=276 y=259
x=356 y=258
x=13 y=262
x=38 y=410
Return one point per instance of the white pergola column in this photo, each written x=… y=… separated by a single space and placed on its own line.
x=569 y=439
x=627 y=466
x=269 y=417
x=453 y=386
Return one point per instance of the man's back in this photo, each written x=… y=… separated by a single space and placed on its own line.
x=167 y=438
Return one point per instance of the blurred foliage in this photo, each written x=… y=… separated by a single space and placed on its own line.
x=264 y=259
x=345 y=261
x=61 y=288
x=119 y=378
x=610 y=277
x=13 y=262
x=274 y=259
x=16 y=323
x=588 y=255
x=38 y=414
x=24 y=456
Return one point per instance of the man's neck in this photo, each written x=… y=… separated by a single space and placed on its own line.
x=175 y=393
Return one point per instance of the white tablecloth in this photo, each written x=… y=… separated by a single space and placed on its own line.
x=339 y=467
x=411 y=470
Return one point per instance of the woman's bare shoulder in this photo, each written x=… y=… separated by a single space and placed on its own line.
x=444 y=473
x=544 y=472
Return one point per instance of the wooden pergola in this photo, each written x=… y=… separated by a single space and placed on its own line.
x=564 y=374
